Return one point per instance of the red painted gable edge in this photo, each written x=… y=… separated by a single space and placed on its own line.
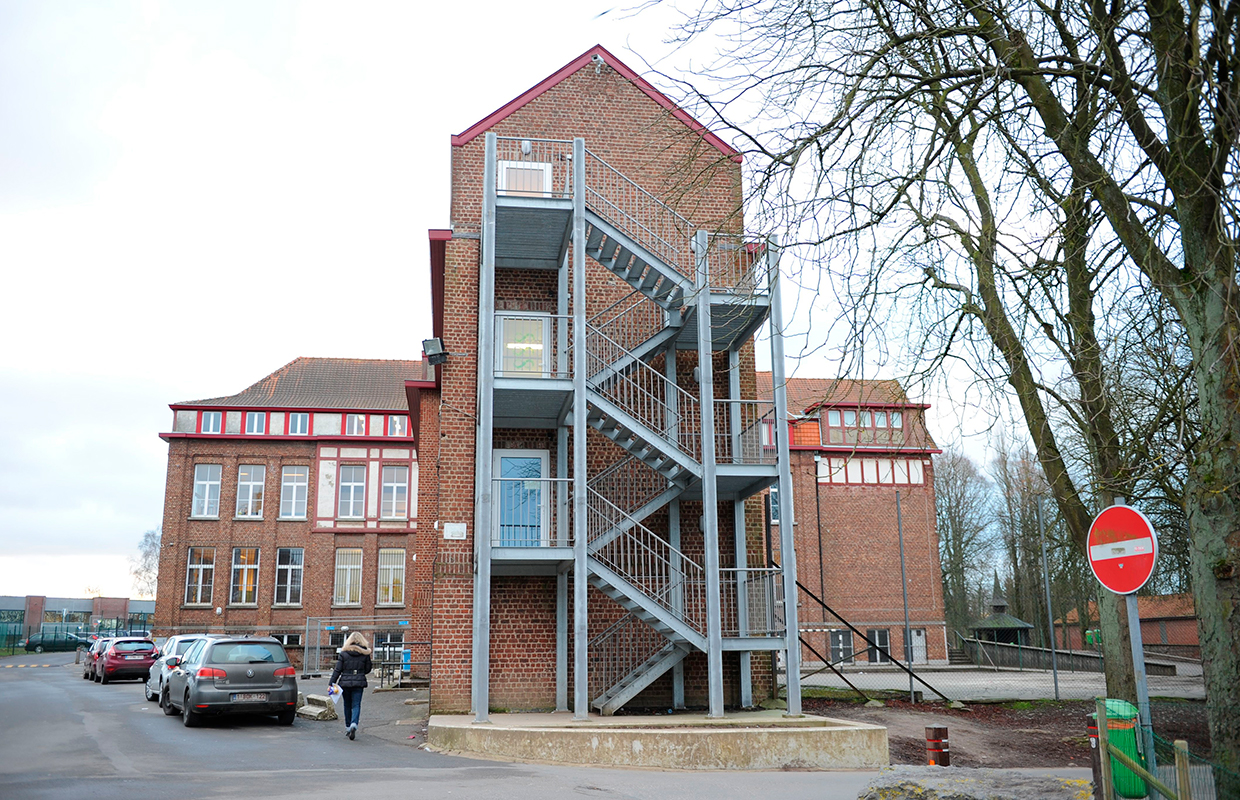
x=620 y=67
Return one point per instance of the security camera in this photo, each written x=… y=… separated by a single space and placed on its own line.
x=598 y=62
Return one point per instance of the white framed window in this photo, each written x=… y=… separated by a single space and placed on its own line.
x=206 y=490
x=256 y=422
x=244 y=576
x=348 y=587
x=521 y=496
x=874 y=471
x=524 y=178
x=298 y=424
x=250 y=479
x=395 y=493
x=352 y=480
x=288 y=639
x=880 y=654
x=294 y=486
x=211 y=421
x=355 y=424
x=841 y=647
x=199 y=576
x=522 y=345
x=774 y=505
x=289 y=565
x=397 y=426
x=391 y=577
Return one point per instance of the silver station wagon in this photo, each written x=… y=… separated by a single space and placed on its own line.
x=230 y=676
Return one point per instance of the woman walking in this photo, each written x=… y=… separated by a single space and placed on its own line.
x=350 y=675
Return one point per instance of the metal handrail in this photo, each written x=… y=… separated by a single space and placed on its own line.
x=618 y=651
x=554 y=361
x=732 y=264
x=763 y=589
x=642 y=392
x=629 y=484
x=749 y=444
x=544 y=530
x=648 y=562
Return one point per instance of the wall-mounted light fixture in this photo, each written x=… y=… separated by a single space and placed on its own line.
x=436 y=353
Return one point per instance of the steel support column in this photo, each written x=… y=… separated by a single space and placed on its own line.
x=787 y=517
x=673 y=526
x=710 y=488
x=480 y=689
x=738 y=523
x=581 y=628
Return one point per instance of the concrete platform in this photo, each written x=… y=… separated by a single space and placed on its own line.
x=743 y=740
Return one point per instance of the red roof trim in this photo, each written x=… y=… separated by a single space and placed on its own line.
x=440 y=234
x=619 y=66
x=268 y=407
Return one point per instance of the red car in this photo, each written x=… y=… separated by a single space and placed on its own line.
x=90 y=658
x=126 y=658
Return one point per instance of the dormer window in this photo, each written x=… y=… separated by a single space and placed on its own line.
x=299 y=424
x=355 y=424
x=211 y=421
x=396 y=426
x=256 y=422
x=863 y=427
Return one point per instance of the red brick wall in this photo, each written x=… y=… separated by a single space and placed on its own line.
x=860 y=558
x=268 y=534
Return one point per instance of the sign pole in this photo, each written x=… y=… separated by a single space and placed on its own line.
x=1122 y=549
x=1143 y=691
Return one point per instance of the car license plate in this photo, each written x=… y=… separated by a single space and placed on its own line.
x=250 y=697
x=133 y=658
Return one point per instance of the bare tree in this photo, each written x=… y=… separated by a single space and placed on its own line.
x=896 y=110
x=144 y=567
x=962 y=499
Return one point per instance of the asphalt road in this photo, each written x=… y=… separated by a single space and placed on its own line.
x=62 y=737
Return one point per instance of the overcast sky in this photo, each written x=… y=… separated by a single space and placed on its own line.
x=193 y=194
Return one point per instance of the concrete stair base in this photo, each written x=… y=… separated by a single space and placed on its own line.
x=743 y=740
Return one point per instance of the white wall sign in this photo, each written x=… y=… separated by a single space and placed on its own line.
x=454 y=530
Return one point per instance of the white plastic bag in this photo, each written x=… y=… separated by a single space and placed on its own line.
x=335 y=693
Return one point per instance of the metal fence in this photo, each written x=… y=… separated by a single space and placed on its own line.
x=399 y=658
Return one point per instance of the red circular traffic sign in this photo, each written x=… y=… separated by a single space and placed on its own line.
x=1122 y=549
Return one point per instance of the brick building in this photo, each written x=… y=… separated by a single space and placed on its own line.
x=599 y=449
x=294 y=498
x=854 y=446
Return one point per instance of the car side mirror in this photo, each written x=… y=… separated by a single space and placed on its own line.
x=173 y=661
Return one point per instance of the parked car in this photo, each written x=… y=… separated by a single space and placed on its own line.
x=231 y=676
x=126 y=658
x=177 y=645
x=91 y=657
x=51 y=642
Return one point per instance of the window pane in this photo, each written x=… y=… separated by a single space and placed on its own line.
x=206 y=490
x=833 y=418
x=864 y=419
x=395 y=492
x=348 y=587
x=250 y=479
x=880 y=419
x=850 y=419
x=523 y=345
x=396 y=426
x=293 y=492
x=299 y=424
x=391 y=576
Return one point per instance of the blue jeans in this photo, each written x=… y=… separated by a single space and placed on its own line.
x=352 y=705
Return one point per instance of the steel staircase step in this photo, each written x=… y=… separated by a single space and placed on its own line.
x=594 y=237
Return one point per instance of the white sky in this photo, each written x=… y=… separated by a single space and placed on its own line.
x=193 y=194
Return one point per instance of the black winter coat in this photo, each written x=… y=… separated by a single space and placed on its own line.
x=351 y=669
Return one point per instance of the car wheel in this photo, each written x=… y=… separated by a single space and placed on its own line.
x=95 y=673
x=189 y=717
x=103 y=677
x=166 y=703
x=150 y=696
x=85 y=675
x=38 y=648
x=286 y=717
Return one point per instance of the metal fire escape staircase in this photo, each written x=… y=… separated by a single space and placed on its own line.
x=656 y=424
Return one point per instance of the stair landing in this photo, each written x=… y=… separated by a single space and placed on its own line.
x=738 y=740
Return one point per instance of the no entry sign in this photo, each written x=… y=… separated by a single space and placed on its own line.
x=1122 y=549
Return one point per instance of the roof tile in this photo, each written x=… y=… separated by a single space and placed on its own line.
x=370 y=384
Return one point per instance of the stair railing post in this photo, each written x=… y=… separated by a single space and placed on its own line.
x=710 y=489
x=787 y=518
x=738 y=524
x=673 y=526
x=581 y=627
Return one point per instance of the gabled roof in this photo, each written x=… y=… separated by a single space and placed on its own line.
x=1149 y=607
x=571 y=67
x=806 y=394
x=369 y=384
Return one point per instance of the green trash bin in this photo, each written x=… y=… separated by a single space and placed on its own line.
x=1123 y=730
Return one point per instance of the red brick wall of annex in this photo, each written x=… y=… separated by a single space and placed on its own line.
x=627 y=129
x=268 y=534
x=860 y=559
